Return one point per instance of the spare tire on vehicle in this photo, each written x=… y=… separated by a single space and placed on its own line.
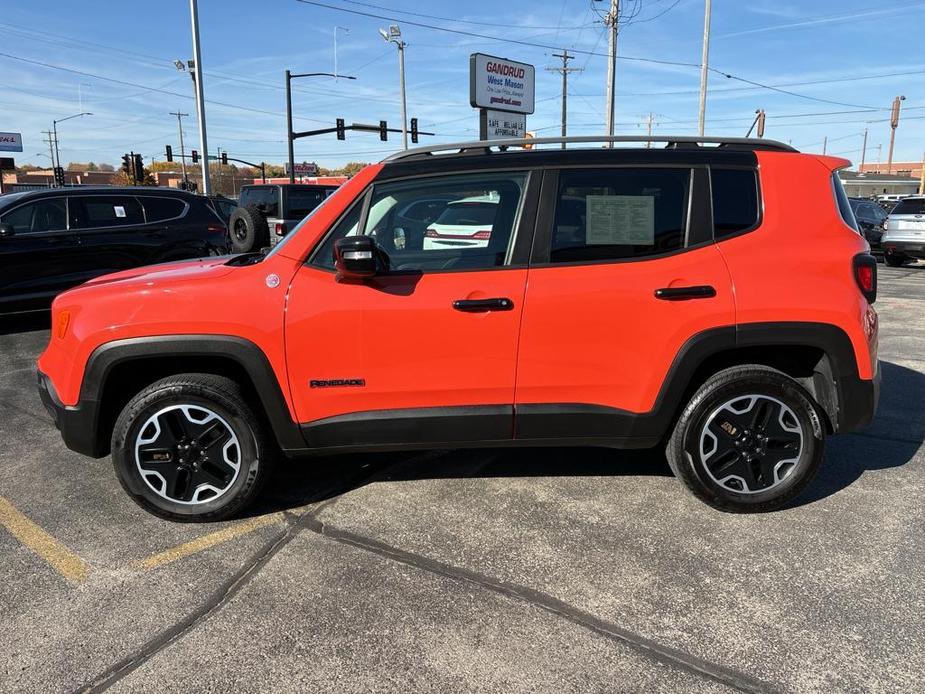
x=248 y=229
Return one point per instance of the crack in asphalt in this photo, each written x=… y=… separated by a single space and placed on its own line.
x=653 y=650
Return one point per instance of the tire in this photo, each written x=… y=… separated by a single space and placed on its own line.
x=248 y=229
x=894 y=260
x=761 y=434
x=188 y=448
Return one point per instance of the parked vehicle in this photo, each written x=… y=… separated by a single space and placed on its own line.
x=665 y=307
x=223 y=206
x=465 y=223
x=54 y=239
x=870 y=217
x=904 y=231
x=266 y=212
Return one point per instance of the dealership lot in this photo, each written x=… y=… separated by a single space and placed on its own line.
x=540 y=570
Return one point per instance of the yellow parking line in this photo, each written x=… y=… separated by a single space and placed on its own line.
x=32 y=536
x=206 y=541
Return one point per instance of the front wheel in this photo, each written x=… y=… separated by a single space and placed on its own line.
x=188 y=448
x=750 y=440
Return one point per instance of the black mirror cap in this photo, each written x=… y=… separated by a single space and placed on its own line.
x=355 y=257
x=6 y=230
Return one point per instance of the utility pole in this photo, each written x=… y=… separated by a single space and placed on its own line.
x=863 y=152
x=825 y=143
x=922 y=178
x=649 y=120
x=393 y=35
x=200 y=99
x=704 y=66
x=610 y=21
x=51 y=149
x=894 y=123
x=565 y=69
x=182 y=150
x=879 y=156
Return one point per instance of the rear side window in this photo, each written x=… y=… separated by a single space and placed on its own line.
x=735 y=200
x=266 y=197
x=611 y=214
x=88 y=212
x=301 y=202
x=160 y=209
x=910 y=207
x=844 y=205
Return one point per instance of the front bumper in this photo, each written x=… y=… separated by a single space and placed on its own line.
x=912 y=249
x=77 y=424
x=858 y=401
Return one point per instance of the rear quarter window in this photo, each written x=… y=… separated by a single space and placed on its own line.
x=843 y=204
x=161 y=209
x=735 y=200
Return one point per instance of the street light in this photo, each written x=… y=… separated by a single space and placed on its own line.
x=54 y=127
x=393 y=35
x=289 y=132
x=336 y=29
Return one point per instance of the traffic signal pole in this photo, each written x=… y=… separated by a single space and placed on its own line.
x=290 y=135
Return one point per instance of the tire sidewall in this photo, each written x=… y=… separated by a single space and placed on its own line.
x=137 y=413
x=768 y=383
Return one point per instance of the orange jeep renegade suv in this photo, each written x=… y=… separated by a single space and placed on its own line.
x=621 y=297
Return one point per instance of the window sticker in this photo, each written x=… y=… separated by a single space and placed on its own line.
x=620 y=220
x=119 y=210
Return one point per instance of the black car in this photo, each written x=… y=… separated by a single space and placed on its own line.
x=871 y=217
x=54 y=239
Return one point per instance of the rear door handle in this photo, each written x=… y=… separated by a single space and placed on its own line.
x=703 y=291
x=482 y=305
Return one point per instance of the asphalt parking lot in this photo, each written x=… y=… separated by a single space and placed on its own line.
x=532 y=570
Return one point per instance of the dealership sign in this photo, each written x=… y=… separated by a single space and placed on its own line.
x=501 y=125
x=304 y=169
x=10 y=142
x=501 y=84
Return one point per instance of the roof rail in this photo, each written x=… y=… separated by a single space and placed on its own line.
x=485 y=146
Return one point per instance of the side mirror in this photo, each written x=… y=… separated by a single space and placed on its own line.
x=355 y=257
x=6 y=230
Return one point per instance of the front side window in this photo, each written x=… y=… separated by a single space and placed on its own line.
x=612 y=214
x=475 y=230
x=735 y=200
x=43 y=215
x=91 y=212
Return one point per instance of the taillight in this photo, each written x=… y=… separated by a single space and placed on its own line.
x=482 y=235
x=865 y=274
x=280 y=228
x=216 y=229
x=431 y=234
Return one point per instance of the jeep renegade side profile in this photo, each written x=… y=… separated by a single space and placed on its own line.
x=624 y=297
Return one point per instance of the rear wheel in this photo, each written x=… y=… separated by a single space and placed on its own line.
x=189 y=448
x=750 y=440
x=894 y=260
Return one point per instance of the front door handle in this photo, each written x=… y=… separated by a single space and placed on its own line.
x=482 y=305
x=703 y=291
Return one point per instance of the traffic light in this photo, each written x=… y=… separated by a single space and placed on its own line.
x=127 y=165
x=139 y=169
x=194 y=155
x=224 y=158
x=383 y=130
x=414 y=130
x=341 y=135
x=169 y=153
x=59 y=176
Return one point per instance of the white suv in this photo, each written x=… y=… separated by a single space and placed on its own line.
x=904 y=231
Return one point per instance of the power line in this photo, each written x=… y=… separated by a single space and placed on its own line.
x=468 y=21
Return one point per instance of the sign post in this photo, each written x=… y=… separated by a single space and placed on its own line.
x=504 y=91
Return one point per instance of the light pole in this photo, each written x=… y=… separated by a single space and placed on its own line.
x=195 y=70
x=336 y=29
x=289 y=132
x=54 y=128
x=393 y=35
x=894 y=123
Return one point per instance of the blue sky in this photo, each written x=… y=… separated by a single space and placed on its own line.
x=247 y=46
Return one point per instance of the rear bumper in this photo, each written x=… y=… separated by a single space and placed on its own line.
x=77 y=424
x=858 y=400
x=912 y=249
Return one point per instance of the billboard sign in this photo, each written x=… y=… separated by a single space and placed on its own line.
x=304 y=169
x=501 y=84
x=501 y=125
x=10 y=142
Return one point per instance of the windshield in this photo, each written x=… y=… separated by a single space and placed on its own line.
x=916 y=206
x=298 y=227
x=469 y=214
